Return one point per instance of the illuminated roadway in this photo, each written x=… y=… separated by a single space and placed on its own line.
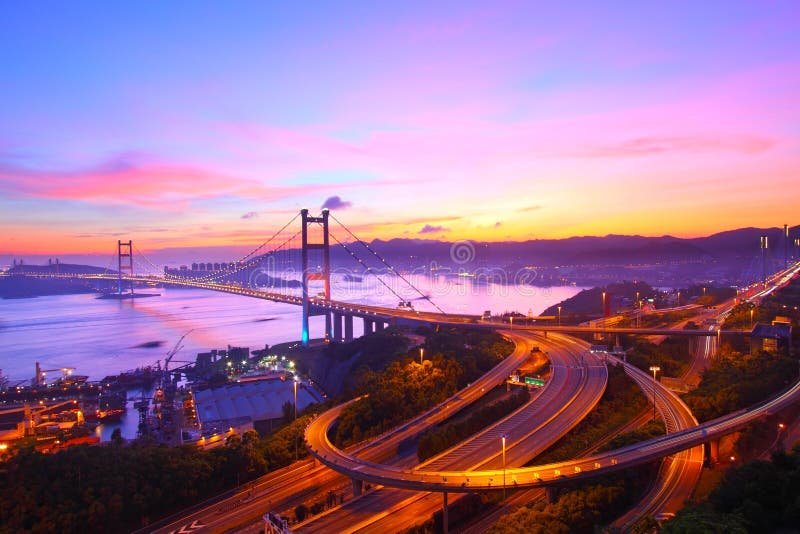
x=540 y=475
x=377 y=312
x=576 y=384
x=306 y=480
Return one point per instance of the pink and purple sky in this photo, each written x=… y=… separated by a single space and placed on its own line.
x=185 y=124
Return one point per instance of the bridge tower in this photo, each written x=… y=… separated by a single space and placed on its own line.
x=124 y=262
x=308 y=275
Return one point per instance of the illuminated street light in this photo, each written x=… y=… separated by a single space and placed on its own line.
x=421 y=353
x=503 y=438
x=604 y=304
x=511 y=320
x=295 y=418
x=655 y=369
x=752 y=310
x=559 y=316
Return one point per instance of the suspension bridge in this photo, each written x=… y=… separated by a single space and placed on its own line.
x=293 y=266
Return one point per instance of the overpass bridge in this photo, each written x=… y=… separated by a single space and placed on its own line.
x=552 y=474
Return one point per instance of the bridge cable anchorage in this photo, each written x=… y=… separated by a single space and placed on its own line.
x=366 y=267
x=240 y=264
x=374 y=253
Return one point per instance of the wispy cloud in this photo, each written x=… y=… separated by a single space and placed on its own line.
x=250 y=215
x=648 y=146
x=529 y=208
x=430 y=229
x=133 y=179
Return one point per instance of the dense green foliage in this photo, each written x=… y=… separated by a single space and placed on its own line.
x=375 y=350
x=405 y=388
x=652 y=429
x=577 y=511
x=757 y=496
x=672 y=355
x=440 y=439
x=731 y=384
x=116 y=488
x=621 y=401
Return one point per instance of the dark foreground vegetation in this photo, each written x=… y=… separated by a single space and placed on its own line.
x=759 y=496
x=672 y=355
x=737 y=381
x=117 y=488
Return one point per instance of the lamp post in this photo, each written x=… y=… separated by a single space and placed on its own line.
x=511 y=320
x=655 y=369
x=503 y=438
x=752 y=310
x=639 y=311
x=421 y=353
x=604 y=304
x=559 y=316
x=295 y=418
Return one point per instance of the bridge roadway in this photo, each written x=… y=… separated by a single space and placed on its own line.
x=576 y=384
x=300 y=484
x=679 y=472
x=540 y=475
x=381 y=313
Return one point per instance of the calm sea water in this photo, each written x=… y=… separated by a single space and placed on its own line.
x=102 y=337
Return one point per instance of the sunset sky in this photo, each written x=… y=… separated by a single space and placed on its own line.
x=200 y=124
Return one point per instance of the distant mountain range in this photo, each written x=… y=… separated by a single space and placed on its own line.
x=608 y=250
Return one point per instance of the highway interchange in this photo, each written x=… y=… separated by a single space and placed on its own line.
x=577 y=383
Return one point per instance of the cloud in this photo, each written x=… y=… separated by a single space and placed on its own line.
x=133 y=178
x=250 y=215
x=648 y=146
x=498 y=224
x=529 y=208
x=336 y=203
x=429 y=229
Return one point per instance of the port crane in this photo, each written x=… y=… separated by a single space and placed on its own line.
x=39 y=380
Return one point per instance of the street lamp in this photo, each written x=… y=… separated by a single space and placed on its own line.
x=604 y=304
x=295 y=418
x=752 y=310
x=503 y=438
x=639 y=312
x=421 y=353
x=655 y=369
x=511 y=320
x=559 y=316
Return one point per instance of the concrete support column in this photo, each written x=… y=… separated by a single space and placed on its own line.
x=328 y=326
x=551 y=495
x=713 y=451
x=348 y=328
x=369 y=326
x=380 y=325
x=358 y=487
x=445 y=519
x=337 y=326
